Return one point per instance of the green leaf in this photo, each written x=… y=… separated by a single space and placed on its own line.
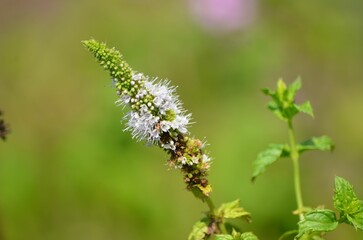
x=356 y=220
x=199 y=231
x=275 y=108
x=224 y=237
x=288 y=233
x=281 y=90
x=232 y=210
x=323 y=143
x=305 y=108
x=292 y=89
x=290 y=111
x=347 y=203
x=312 y=236
x=268 y=92
x=236 y=236
x=268 y=157
x=318 y=220
x=283 y=100
x=248 y=236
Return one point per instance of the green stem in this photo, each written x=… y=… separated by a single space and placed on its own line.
x=295 y=162
x=213 y=213
x=223 y=228
x=210 y=205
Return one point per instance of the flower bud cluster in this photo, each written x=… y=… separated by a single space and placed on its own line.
x=156 y=116
x=189 y=157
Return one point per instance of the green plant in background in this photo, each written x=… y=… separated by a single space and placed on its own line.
x=158 y=118
x=313 y=223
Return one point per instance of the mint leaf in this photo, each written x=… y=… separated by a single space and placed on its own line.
x=248 y=236
x=323 y=143
x=312 y=236
x=236 y=236
x=356 y=221
x=292 y=89
x=199 y=231
x=290 y=111
x=283 y=100
x=276 y=109
x=268 y=92
x=232 y=210
x=268 y=157
x=318 y=220
x=347 y=203
x=305 y=108
x=224 y=237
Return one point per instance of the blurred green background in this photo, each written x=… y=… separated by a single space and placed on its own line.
x=68 y=171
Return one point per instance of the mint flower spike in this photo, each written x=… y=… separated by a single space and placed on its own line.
x=156 y=116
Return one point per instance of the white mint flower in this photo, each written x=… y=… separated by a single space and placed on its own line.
x=142 y=126
x=183 y=160
x=205 y=158
x=124 y=100
x=165 y=125
x=180 y=122
x=156 y=109
x=137 y=76
x=164 y=96
x=169 y=145
x=195 y=160
x=141 y=93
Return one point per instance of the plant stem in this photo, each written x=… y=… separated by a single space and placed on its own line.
x=210 y=205
x=213 y=213
x=222 y=227
x=295 y=162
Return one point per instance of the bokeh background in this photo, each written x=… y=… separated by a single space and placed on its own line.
x=68 y=171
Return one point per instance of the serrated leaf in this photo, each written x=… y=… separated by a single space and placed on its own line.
x=356 y=220
x=232 y=210
x=238 y=236
x=199 y=231
x=312 y=236
x=318 y=220
x=248 y=236
x=305 y=108
x=268 y=157
x=275 y=108
x=224 y=237
x=347 y=203
x=283 y=104
x=323 y=143
x=281 y=90
x=290 y=111
x=292 y=89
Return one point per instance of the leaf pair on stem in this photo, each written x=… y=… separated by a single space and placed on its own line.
x=313 y=222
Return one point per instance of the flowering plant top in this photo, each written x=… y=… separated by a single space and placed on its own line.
x=156 y=116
